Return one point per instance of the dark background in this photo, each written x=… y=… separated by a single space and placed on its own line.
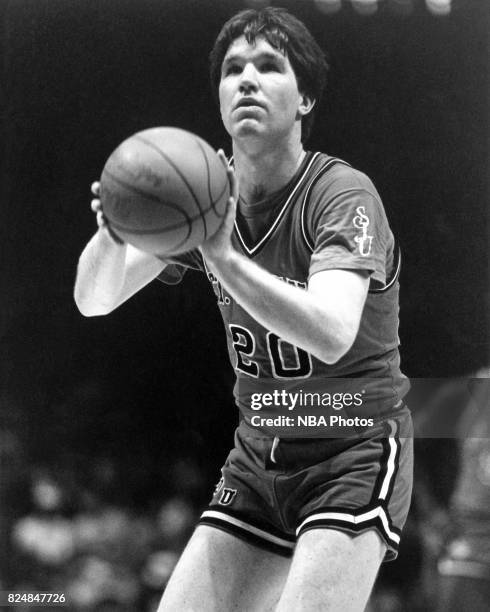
x=407 y=102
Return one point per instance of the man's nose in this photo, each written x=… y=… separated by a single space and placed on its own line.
x=248 y=81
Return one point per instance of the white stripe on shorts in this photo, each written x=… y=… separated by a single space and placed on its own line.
x=255 y=530
x=378 y=511
x=390 y=463
x=351 y=519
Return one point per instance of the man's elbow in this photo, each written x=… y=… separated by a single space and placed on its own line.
x=90 y=308
x=334 y=348
x=331 y=356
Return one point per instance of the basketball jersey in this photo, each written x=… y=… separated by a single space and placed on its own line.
x=328 y=217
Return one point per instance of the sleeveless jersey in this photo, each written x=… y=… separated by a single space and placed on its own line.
x=329 y=216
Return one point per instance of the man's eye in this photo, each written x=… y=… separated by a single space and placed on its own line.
x=269 y=67
x=232 y=69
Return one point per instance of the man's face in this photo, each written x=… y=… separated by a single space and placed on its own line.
x=258 y=92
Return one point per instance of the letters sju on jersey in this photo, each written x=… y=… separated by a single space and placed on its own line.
x=361 y=221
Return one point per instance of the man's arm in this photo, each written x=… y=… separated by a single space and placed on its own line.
x=110 y=272
x=324 y=320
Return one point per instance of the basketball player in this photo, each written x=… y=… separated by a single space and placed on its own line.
x=305 y=271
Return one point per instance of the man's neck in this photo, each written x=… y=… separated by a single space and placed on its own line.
x=261 y=173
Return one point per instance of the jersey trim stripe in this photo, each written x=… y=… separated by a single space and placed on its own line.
x=253 y=250
x=396 y=274
x=306 y=199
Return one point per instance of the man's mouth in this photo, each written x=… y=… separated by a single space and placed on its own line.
x=248 y=102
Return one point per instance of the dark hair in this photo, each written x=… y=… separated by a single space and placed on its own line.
x=286 y=33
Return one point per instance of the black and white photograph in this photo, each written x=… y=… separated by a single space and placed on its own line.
x=245 y=305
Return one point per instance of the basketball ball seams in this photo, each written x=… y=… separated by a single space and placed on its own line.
x=157 y=191
x=147 y=195
x=215 y=200
x=175 y=248
x=181 y=176
x=220 y=196
x=167 y=228
x=208 y=176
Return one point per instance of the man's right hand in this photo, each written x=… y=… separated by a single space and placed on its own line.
x=102 y=222
x=109 y=270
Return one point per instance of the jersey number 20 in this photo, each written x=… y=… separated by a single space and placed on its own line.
x=244 y=345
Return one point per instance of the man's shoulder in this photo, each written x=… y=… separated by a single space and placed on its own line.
x=337 y=175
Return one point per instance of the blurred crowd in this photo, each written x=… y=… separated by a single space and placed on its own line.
x=65 y=532
x=102 y=556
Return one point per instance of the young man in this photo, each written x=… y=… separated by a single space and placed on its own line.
x=305 y=272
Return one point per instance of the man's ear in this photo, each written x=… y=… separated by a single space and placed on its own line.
x=306 y=105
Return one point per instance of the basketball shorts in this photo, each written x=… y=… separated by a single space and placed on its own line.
x=274 y=490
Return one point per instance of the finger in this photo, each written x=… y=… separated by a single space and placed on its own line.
x=95 y=205
x=228 y=219
x=95 y=188
x=230 y=173
x=101 y=220
x=230 y=210
x=222 y=157
x=233 y=183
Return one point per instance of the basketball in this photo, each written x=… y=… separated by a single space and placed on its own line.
x=164 y=190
